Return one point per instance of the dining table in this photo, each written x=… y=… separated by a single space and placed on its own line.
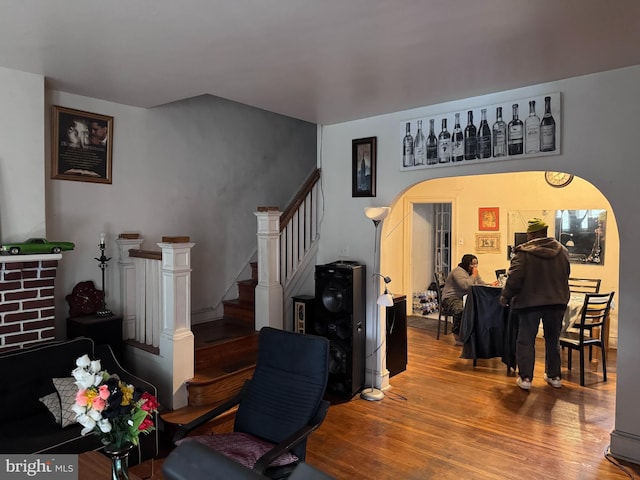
x=489 y=330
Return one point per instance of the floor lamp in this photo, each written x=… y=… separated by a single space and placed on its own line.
x=376 y=214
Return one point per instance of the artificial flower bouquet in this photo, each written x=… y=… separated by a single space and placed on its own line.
x=116 y=411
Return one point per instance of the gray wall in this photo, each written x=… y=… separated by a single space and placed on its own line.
x=198 y=167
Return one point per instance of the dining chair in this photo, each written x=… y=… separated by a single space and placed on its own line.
x=584 y=285
x=443 y=313
x=590 y=330
x=581 y=286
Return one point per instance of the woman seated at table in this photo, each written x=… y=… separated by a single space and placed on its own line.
x=457 y=285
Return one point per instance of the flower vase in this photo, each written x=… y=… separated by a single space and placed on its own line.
x=119 y=461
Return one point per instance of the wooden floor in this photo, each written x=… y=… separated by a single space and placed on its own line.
x=445 y=419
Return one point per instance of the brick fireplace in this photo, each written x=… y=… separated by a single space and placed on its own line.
x=27 y=303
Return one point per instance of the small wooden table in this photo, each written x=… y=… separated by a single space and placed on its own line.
x=96 y=466
x=107 y=330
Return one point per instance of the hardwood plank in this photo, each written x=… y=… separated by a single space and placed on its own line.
x=443 y=418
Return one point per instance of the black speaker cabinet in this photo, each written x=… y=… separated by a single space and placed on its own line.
x=340 y=316
x=397 y=335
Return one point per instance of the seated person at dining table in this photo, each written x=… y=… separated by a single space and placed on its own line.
x=457 y=285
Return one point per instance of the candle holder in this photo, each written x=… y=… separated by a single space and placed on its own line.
x=102 y=263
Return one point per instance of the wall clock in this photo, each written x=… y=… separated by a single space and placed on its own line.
x=558 y=179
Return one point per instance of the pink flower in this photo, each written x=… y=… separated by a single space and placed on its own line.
x=99 y=404
x=81 y=398
x=103 y=391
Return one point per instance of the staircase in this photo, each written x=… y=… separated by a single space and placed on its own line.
x=225 y=356
x=226 y=349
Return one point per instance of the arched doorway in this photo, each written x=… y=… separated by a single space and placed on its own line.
x=514 y=195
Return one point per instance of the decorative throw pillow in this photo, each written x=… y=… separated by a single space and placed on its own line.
x=241 y=447
x=67 y=390
x=52 y=402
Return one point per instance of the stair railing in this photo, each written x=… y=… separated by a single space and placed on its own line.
x=156 y=304
x=285 y=240
x=299 y=228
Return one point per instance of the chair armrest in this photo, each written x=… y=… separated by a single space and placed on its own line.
x=183 y=430
x=292 y=440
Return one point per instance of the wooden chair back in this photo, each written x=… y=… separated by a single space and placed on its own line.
x=440 y=278
x=584 y=285
x=589 y=330
x=443 y=315
x=594 y=313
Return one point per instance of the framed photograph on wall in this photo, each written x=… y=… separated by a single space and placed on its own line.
x=489 y=219
x=81 y=145
x=487 y=242
x=363 y=167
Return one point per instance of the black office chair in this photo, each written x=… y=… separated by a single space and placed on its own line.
x=277 y=409
x=443 y=313
x=194 y=461
x=590 y=330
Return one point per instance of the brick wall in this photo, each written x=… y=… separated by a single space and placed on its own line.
x=27 y=304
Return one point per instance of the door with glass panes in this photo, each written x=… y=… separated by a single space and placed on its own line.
x=442 y=237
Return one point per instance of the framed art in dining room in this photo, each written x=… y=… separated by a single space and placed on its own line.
x=488 y=219
x=487 y=242
x=82 y=145
x=363 y=167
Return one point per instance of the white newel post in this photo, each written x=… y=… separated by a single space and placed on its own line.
x=176 y=339
x=268 y=294
x=128 y=284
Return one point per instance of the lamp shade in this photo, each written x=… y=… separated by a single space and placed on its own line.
x=377 y=213
x=386 y=299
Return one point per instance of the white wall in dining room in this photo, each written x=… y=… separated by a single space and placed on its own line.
x=523 y=192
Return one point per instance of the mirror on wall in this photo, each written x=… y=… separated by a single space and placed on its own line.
x=583 y=233
x=517 y=226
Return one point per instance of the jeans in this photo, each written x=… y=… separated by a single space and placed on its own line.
x=525 y=345
x=455 y=307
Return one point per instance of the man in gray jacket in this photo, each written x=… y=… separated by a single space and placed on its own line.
x=537 y=288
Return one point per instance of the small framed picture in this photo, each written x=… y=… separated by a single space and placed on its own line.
x=489 y=219
x=363 y=168
x=487 y=242
x=82 y=146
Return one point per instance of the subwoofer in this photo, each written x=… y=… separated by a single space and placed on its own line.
x=339 y=315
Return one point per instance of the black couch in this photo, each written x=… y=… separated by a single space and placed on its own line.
x=27 y=426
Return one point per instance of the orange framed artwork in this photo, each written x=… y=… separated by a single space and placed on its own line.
x=489 y=219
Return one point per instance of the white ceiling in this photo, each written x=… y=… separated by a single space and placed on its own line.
x=324 y=61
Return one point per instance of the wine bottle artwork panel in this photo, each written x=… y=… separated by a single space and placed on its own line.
x=513 y=129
